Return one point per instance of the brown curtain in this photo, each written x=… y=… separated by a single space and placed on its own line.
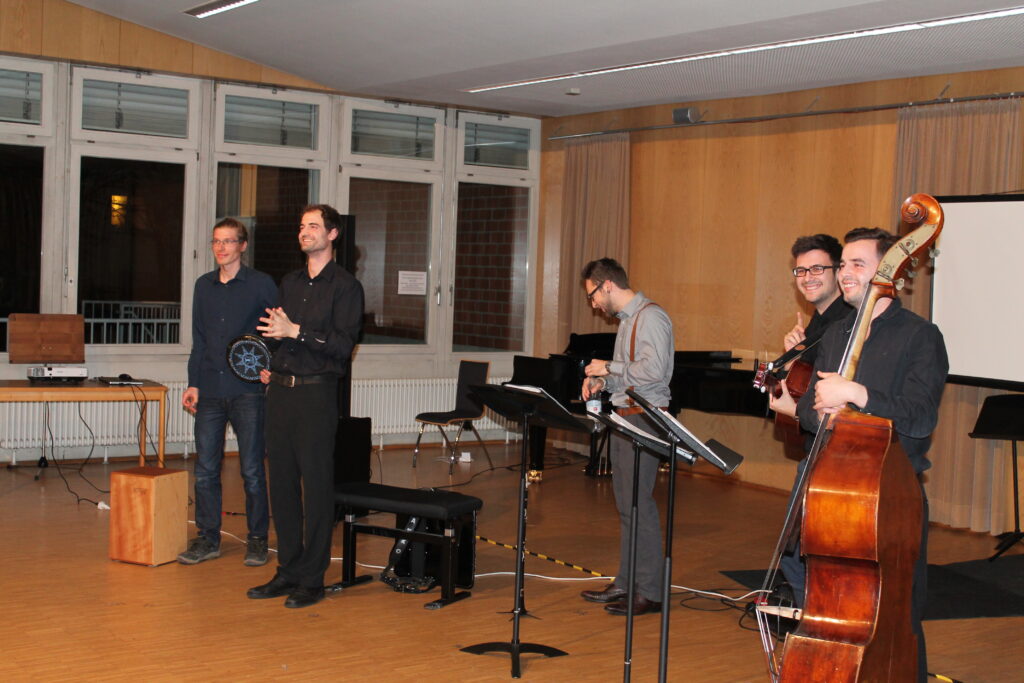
x=962 y=148
x=595 y=201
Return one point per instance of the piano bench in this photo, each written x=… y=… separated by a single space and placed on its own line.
x=450 y=531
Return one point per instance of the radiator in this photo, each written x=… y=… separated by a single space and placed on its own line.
x=392 y=405
x=111 y=423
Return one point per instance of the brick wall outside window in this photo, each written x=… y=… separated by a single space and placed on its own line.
x=392 y=235
x=490 y=267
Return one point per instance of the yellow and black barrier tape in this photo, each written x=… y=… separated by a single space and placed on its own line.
x=543 y=557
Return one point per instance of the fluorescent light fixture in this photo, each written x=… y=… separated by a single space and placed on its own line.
x=208 y=9
x=902 y=28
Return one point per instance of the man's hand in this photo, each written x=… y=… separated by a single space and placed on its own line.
x=265 y=376
x=189 y=399
x=784 y=404
x=795 y=335
x=591 y=387
x=597 y=368
x=833 y=391
x=276 y=325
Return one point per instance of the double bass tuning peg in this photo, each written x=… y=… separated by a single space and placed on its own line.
x=933 y=252
x=911 y=274
x=913 y=262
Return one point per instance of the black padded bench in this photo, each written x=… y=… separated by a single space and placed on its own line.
x=452 y=530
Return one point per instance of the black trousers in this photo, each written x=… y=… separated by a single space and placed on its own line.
x=300 y=428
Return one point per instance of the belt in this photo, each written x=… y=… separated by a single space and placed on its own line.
x=632 y=410
x=299 y=380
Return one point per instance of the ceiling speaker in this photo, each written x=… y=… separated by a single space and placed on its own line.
x=685 y=115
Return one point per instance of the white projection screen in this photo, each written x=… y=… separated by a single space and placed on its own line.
x=978 y=287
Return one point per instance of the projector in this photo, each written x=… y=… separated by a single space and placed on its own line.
x=64 y=373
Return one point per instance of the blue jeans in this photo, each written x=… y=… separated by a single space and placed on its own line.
x=245 y=412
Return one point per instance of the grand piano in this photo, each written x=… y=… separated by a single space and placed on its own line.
x=709 y=381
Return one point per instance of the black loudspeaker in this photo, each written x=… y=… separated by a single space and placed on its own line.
x=685 y=115
x=345 y=246
x=352 y=446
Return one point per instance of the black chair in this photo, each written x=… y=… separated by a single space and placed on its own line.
x=467 y=410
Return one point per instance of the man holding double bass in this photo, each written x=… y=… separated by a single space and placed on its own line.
x=900 y=377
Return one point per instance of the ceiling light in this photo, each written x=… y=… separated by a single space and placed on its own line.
x=208 y=9
x=901 y=28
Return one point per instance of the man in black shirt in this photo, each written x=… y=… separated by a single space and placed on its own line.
x=901 y=375
x=318 y=322
x=817 y=258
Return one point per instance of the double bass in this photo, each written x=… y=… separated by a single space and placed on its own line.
x=861 y=520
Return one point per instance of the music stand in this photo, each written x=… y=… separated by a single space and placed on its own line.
x=687 y=447
x=529 y=406
x=1002 y=418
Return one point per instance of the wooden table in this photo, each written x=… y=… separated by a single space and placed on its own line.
x=23 y=391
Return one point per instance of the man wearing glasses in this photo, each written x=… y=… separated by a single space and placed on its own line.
x=227 y=303
x=817 y=258
x=643 y=361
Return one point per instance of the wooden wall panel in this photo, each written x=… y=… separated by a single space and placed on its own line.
x=716 y=208
x=58 y=29
x=80 y=34
x=21 y=26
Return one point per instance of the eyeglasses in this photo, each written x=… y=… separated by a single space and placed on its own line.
x=590 y=295
x=226 y=243
x=816 y=269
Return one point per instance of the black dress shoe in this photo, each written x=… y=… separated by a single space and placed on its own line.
x=274 y=588
x=641 y=605
x=609 y=594
x=304 y=596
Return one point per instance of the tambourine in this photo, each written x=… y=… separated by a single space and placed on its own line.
x=247 y=355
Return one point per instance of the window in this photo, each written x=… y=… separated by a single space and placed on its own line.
x=21 y=96
x=486 y=144
x=21 y=215
x=491 y=288
x=270 y=122
x=268 y=199
x=135 y=109
x=130 y=108
x=129 y=250
x=395 y=135
x=393 y=225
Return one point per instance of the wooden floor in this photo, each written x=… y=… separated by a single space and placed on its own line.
x=70 y=613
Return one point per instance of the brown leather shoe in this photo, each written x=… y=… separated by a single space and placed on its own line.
x=641 y=605
x=610 y=594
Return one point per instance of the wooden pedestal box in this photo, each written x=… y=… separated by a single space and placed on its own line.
x=148 y=515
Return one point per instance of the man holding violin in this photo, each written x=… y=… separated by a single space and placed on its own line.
x=901 y=375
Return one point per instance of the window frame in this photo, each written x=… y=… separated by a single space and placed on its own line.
x=386 y=358
x=79 y=134
x=188 y=239
x=498 y=358
x=531 y=172
x=48 y=93
x=349 y=106
x=325 y=120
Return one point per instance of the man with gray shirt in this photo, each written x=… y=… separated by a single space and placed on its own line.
x=642 y=361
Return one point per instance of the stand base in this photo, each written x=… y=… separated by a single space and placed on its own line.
x=515 y=649
x=1007 y=541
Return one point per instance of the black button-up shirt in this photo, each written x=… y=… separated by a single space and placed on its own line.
x=903 y=365
x=820 y=322
x=329 y=311
x=222 y=312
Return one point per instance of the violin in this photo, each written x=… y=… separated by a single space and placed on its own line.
x=860 y=525
x=768 y=377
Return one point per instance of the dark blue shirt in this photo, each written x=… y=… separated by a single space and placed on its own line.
x=222 y=312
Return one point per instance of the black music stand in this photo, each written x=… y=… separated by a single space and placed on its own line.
x=529 y=406
x=1002 y=418
x=687 y=447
